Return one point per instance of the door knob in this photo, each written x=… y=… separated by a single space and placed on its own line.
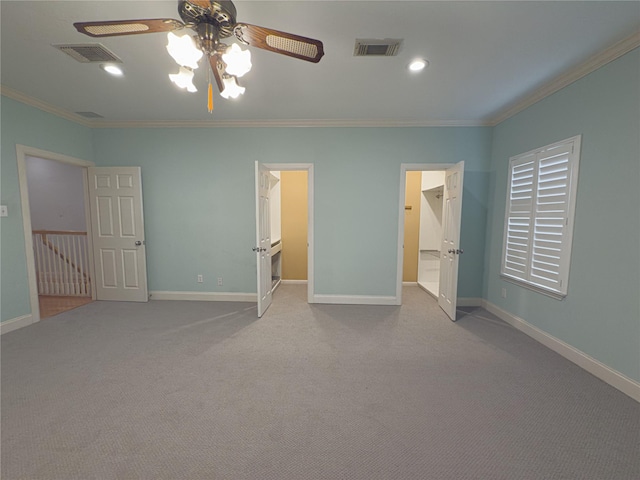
x=459 y=251
x=138 y=243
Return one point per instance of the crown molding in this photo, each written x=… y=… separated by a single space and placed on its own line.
x=44 y=106
x=21 y=97
x=364 y=123
x=292 y=123
x=576 y=73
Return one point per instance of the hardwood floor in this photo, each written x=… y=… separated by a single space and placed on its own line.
x=51 y=305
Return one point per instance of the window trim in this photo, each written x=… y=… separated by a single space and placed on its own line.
x=567 y=232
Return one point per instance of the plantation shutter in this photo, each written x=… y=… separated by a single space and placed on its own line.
x=539 y=216
x=519 y=217
x=551 y=217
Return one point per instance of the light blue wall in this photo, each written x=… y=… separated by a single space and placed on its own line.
x=199 y=202
x=601 y=313
x=199 y=198
x=31 y=127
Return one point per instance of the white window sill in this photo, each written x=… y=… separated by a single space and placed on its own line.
x=536 y=288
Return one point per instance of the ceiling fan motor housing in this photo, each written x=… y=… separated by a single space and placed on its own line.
x=220 y=14
x=208 y=36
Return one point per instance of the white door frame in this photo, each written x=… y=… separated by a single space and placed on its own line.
x=404 y=168
x=308 y=167
x=22 y=152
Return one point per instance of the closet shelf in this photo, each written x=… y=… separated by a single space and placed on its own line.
x=276 y=247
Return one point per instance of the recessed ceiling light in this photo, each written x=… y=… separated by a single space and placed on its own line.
x=112 y=69
x=418 y=64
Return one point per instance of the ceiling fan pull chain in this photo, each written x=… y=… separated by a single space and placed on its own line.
x=210 y=98
x=210 y=92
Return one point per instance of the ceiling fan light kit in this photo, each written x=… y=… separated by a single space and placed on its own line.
x=231 y=88
x=238 y=62
x=184 y=79
x=212 y=20
x=183 y=50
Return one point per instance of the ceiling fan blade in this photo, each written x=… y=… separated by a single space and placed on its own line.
x=280 y=42
x=217 y=66
x=127 y=27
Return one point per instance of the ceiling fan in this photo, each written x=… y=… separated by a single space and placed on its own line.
x=213 y=21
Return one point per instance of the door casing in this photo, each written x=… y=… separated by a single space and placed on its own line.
x=22 y=152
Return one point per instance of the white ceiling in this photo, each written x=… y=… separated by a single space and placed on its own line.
x=484 y=56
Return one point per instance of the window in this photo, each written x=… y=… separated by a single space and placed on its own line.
x=541 y=196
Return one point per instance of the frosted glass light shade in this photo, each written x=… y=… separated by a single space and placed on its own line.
x=238 y=61
x=231 y=88
x=183 y=50
x=184 y=79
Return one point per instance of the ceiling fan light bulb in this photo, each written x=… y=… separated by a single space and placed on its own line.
x=231 y=88
x=184 y=79
x=183 y=50
x=238 y=61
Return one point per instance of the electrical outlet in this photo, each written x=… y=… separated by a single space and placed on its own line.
x=219 y=281
x=200 y=279
x=504 y=292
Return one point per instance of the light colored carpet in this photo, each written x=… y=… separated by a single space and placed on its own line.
x=204 y=390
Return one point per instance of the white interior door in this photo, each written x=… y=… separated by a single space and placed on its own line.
x=450 y=249
x=263 y=238
x=117 y=229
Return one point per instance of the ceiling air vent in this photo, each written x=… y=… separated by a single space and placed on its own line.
x=89 y=53
x=387 y=47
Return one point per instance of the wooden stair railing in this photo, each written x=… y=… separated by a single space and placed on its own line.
x=62 y=262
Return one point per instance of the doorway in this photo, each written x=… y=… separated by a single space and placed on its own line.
x=289 y=249
x=449 y=246
x=59 y=231
x=423 y=229
x=56 y=219
x=127 y=277
x=293 y=227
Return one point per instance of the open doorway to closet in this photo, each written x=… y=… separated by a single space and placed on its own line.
x=293 y=228
x=288 y=253
x=423 y=229
x=409 y=252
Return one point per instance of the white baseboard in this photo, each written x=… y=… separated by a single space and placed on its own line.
x=594 y=367
x=410 y=284
x=204 y=296
x=355 y=299
x=293 y=282
x=470 y=302
x=16 y=323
